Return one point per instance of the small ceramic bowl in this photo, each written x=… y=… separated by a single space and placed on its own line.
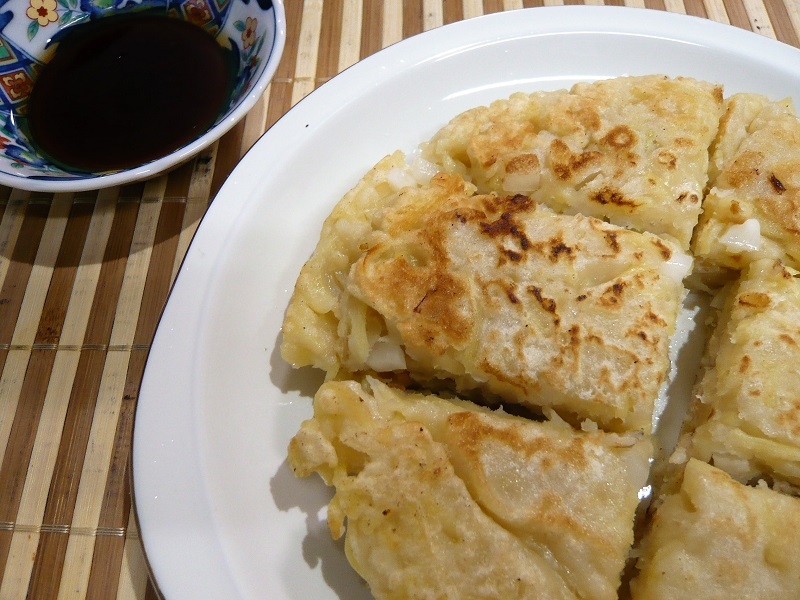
x=253 y=29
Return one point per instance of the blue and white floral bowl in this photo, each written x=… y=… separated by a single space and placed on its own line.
x=254 y=30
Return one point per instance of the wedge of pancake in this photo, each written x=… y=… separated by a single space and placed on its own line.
x=717 y=539
x=443 y=499
x=746 y=419
x=629 y=150
x=753 y=208
x=489 y=293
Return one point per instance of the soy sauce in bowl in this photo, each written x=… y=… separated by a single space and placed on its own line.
x=124 y=90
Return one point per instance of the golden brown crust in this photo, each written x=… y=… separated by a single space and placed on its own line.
x=491 y=292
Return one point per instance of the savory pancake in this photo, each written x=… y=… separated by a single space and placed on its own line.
x=753 y=208
x=747 y=415
x=630 y=150
x=444 y=499
x=719 y=539
x=533 y=254
x=489 y=293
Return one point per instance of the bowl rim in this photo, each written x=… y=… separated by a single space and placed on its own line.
x=182 y=154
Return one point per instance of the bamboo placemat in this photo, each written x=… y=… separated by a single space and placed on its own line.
x=84 y=277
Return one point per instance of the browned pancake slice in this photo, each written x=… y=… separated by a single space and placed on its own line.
x=717 y=538
x=495 y=294
x=752 y=211
x=630 y=150
x=747 y=415
x=443 y=499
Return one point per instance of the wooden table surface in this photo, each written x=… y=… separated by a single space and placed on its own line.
x=84 y=277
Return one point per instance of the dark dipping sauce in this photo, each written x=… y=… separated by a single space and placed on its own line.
x=124 y=90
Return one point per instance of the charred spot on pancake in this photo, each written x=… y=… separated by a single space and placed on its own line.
x=464 y=214
x=754 y=300
x=437 y=319
x=585 y=114
x=612 y=295
x=508 y=204
x=548 y=304
x=777 y=185
x=654 y=318
x=611 y=238
x=559 y=248
x=608 y=195
x=506 y=225
x=665 y=250
x=574 y=336
x=692 y=198
x=554 y=249
x=744 y=364
x=620 y=136
x=667 y=158
x=523 y=163
x=565 y=162
x=511 y=255
x=511 y=293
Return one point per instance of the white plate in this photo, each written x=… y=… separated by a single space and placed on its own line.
x=219 y=511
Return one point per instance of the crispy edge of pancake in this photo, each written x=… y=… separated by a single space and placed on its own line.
x=397 y=459
x=717 y=538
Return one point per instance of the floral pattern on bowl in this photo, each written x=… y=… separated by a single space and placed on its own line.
x=30 y=31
